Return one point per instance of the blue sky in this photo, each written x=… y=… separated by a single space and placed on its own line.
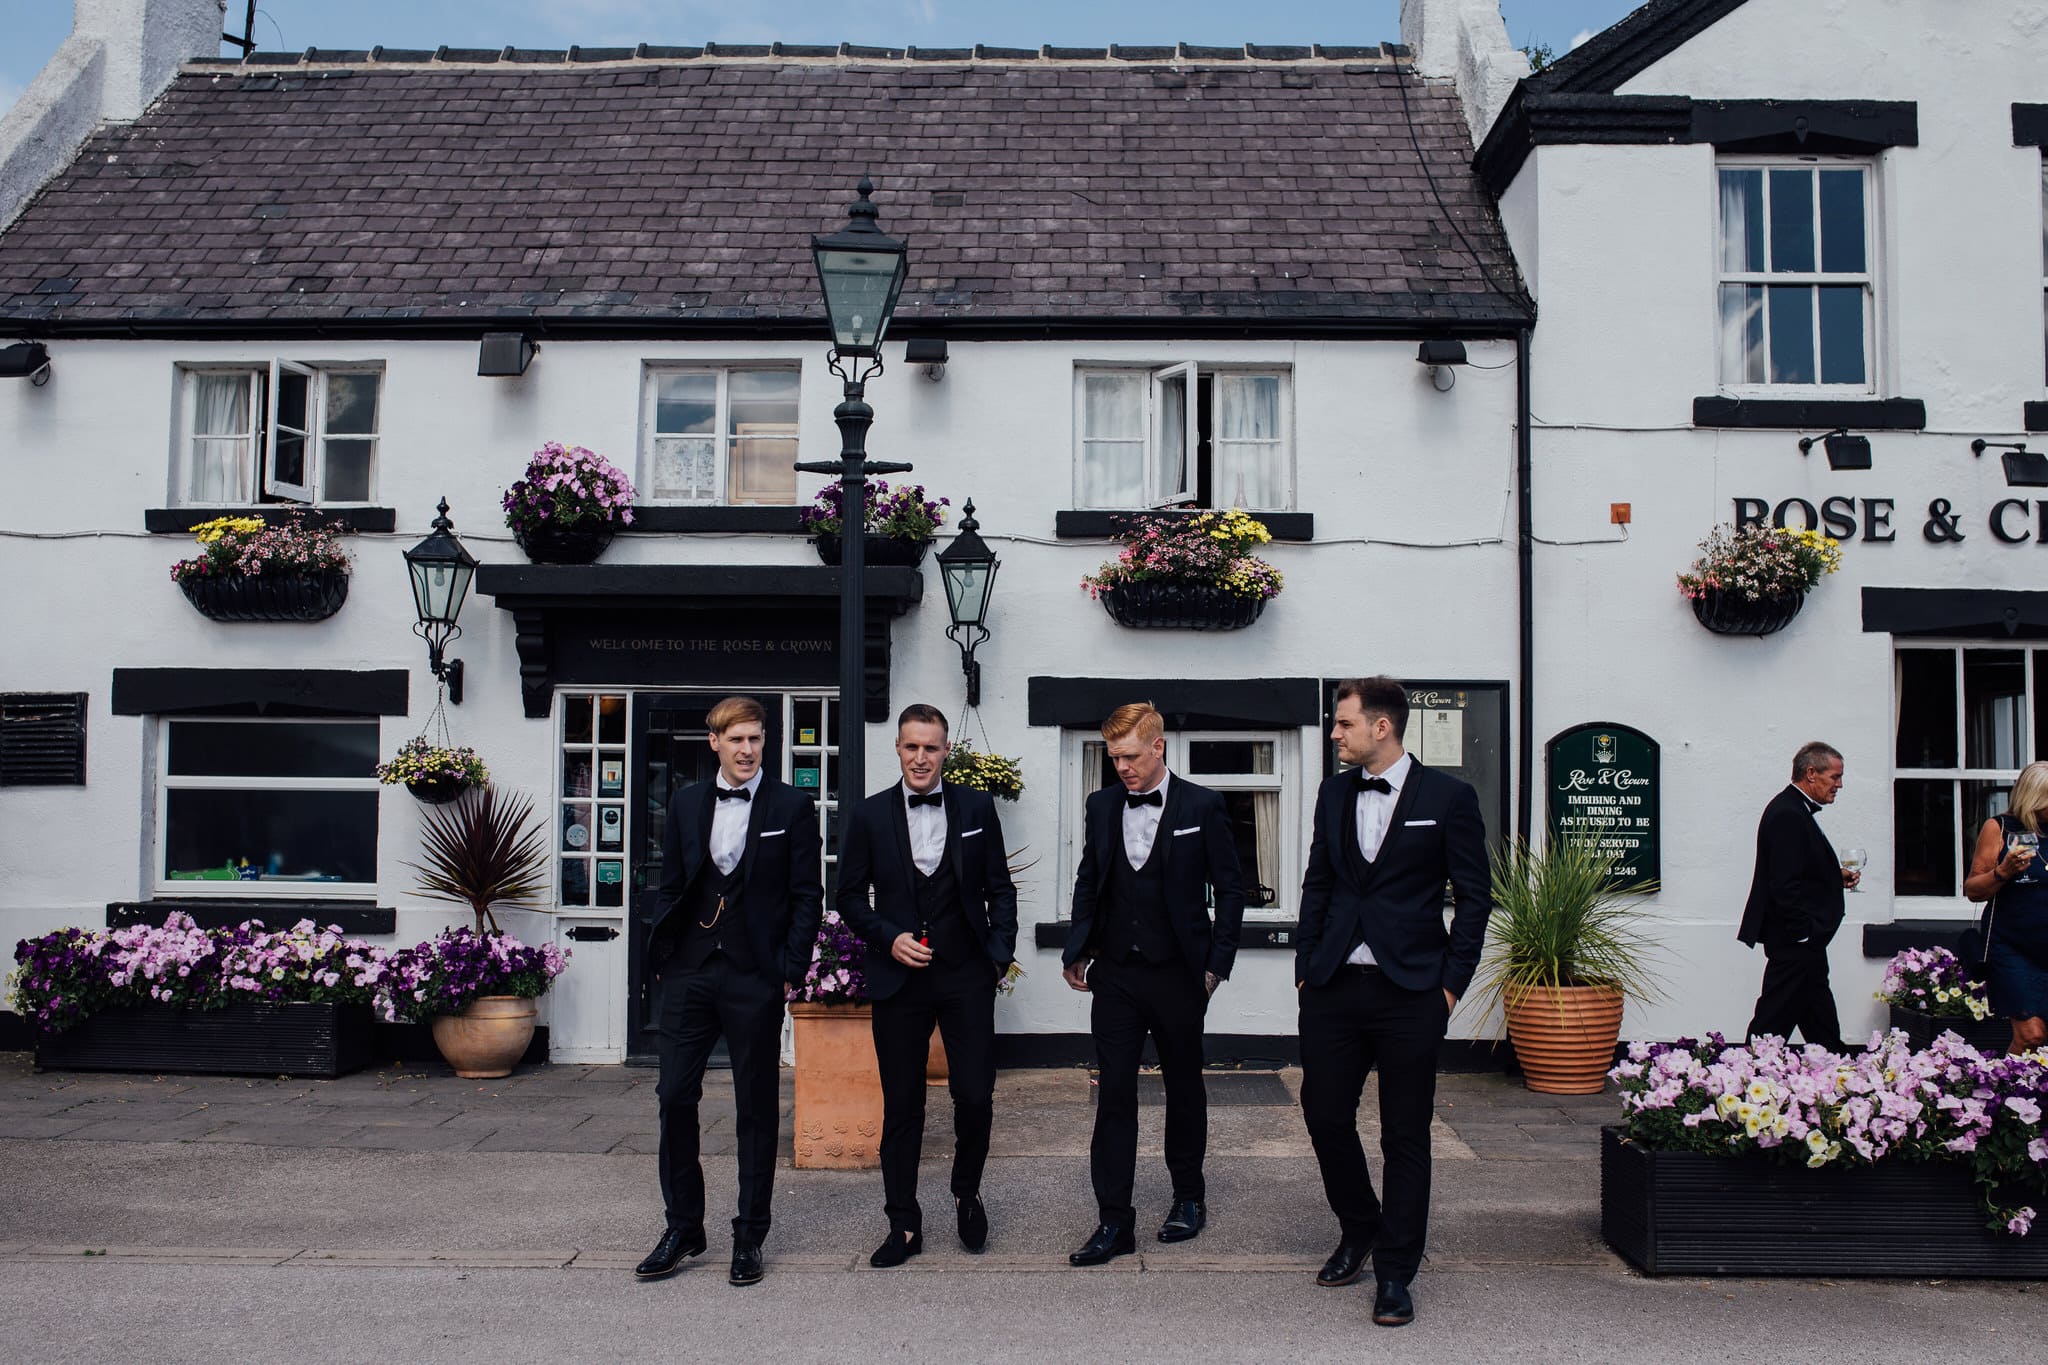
x=36 y=27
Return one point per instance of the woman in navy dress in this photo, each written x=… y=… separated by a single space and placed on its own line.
x=2007 y=871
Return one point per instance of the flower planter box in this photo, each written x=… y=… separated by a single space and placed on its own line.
x=1685 y=1213
x=1179 y=606
x=1727 y=614
x=267 y=597
x=581 y=543
x=1989 y=1036
x=838 y=1116
x=877 y=550
x=240 y=1040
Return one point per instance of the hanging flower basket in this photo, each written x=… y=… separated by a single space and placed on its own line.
x=1726 y=613
x=267 y=597
x=877 y=551
x=435 y=773
x=578 y=544
x=437 y=791
x=1156 y=605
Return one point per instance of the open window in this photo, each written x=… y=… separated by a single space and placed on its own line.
x=1183 y=435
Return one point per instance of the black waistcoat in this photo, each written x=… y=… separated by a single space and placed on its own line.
x=727 y=931
x=940 y=917
x=1135 y=925
x=1354 y=857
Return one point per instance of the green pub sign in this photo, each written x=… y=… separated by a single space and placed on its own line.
x=1606 y=791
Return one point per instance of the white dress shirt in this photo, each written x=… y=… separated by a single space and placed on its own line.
x=729 y=823
x=1141 y=824
x=1374 y=813
x=927 y=831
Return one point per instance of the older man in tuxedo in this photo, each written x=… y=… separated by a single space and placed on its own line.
x=740 y=900
x=924 y=880
x=1157 y=847
x=1795 y=903
x=1378 y=977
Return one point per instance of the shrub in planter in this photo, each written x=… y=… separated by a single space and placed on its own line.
x=1753 y=581
x=251 y=570
x=434 y=773
x=1930 y=993
x=569 y=505
x=476 y=990
x=1191 y=572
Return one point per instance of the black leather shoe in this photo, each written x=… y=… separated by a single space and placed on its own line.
x=898 y=1249
x=746 y=1264
x=1184 y=1221
x=1345 y=1265
x=1392 y=1307
x=668 y=1254
x=1109 y=1242
x=973 y=1224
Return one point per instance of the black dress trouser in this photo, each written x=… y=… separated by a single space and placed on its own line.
x=960 y=999
x=1129 y=1001
x=1358 y=1021
x=1796 y=994
x=693 y=1007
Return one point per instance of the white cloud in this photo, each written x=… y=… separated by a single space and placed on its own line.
x=1579 y=39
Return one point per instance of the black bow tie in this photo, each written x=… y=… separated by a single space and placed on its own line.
x=1151 y=798
x=1374 y=784
x=726 y=793
x=925 y=799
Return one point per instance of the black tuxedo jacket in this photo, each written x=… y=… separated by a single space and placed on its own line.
x=1201 y=857
x=781 y=893
x=1434 y=835
x=876 y=854
x=1796 y=891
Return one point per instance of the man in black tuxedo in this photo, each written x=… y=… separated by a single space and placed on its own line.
x=940 y=931
x=1378 y=977
x=1142 y=945
x=1795 y=903
x=735 y=924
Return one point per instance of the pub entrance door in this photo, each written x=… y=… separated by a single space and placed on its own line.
x=670 y=750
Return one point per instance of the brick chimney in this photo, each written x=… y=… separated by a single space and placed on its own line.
x=119 y=57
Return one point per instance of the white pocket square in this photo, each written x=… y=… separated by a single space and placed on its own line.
x=771 y=833
x=1191 y=829
x=1410 y=824
x=969 y=833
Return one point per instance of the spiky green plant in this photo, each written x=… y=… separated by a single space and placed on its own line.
x=485 y=849
x=1561 y=917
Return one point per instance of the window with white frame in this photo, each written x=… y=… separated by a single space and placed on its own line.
x=720 y=434
x=256 y=806
x=594 y=823
x=282 y=432
x=1253 y=770
x=1797 y=293
x=1183 y=435
x=1969 y=718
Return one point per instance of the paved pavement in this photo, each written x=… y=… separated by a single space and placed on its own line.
x=408 y=1213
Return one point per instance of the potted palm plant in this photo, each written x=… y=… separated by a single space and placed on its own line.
x=478 y=985
x=1564 y=955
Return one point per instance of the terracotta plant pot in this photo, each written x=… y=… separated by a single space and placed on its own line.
x=838 y=1088
x=936 y=1069
x=489 y=1037
x=1564 y=1037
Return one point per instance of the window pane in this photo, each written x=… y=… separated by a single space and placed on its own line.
x=347 y=476
x=2040 y=702
x=1113 y=440
x=1994 y=718
x=351 y=404
x=576 y=720
x=1172 y=455
x=611 y=882
x=576 y=774
x=1981 y=801
x=1841 y=334
x=1791 y=324
x=200 y=748
x=1230 y=757
x=1742 y=220
x=1924 y=838
x=1097 y=771
x=575 y=881
x=1742 y=334
x=300 y=836
x=292 y=392
x=1254 y=827
x=291 y=457
x=220 y=404
x=686 y=468
x=576 y=827
x=1841 y=221
x=762 y=402
x=686 y=404
x=764 y=470
x=1249 y=467
x=1927 y=709
x=1791 y=221
x=218 y=467
x=611 y=720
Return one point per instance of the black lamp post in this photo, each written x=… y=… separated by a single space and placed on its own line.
x=969 y=567
x=861 y=270
x=441 y=570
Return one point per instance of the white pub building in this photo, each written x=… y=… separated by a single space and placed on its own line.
x=1488 y=352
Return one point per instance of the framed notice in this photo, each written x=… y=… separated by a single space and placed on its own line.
x=611 y=777
x=1604 y=789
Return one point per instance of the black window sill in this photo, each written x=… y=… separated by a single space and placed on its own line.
x=181 y=520
x=1811 y=414
x=225 y=912
x=747 y=520
x=1889 y=940
x=1090 y=524
x=1256 y=934
x=2037 y=417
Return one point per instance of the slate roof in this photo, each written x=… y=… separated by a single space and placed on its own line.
x=673 y=190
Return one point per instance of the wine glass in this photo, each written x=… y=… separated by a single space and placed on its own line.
x=1853 y=860
x=2024 y=839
